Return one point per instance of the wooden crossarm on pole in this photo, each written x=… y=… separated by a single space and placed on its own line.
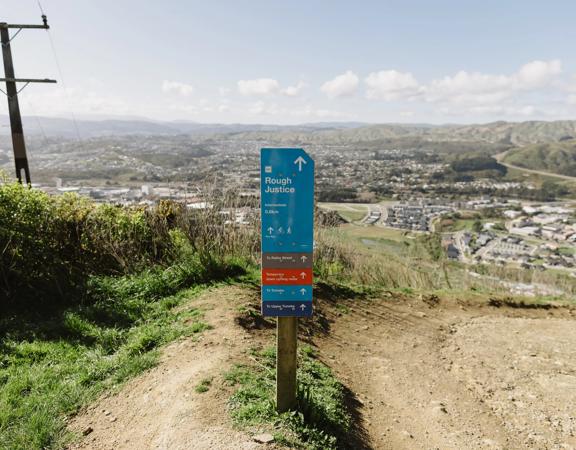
x=28 y=80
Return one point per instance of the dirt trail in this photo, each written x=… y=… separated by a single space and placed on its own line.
x=423 y=373
x=449 y=376
x=160 y=409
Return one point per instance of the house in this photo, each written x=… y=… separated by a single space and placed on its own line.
x=512 y=214
x=525 y=231
x=452 y=252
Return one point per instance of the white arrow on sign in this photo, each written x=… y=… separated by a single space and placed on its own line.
x=304 y=258
x=302 y=291
x=289 y=230
x=303 y=275
x=270 y=230
x=302 y=306
x=300 y=161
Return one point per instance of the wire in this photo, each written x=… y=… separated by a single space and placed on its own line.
x=42 y=132
x=40 y=6
x=64 y=86
x=60 y=73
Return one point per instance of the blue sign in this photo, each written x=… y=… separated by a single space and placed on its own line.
x=287 y=309
x=287 y=212
x=300 y=293
x=287 y=196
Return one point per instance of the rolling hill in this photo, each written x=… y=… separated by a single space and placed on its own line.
x=331 y=133
x=555 y=157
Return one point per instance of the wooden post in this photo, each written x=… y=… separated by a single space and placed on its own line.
x=287 y=331
x=18 y=143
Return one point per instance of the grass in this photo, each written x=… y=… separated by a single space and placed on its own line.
x=203 y=386
x=351 y=212
x=341 y=258
x=321 y=420
x=54 y=361
x=520 y=175
x=373 y=232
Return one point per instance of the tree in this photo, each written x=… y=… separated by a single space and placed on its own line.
x=477 y=226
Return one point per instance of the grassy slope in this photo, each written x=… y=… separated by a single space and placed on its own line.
x=52 y=364
x=557 y=157
x=350 y=212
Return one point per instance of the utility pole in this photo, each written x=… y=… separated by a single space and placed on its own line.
x=18 y=143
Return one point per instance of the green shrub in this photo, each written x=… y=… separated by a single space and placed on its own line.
x=52 y=247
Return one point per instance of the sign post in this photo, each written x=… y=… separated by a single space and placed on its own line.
x=287 y=211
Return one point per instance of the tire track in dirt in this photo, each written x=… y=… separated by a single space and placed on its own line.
x=433 y=378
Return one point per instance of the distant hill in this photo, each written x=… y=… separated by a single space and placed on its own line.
x=88 y=128
x=502 y=133
x=336 y=133
x=556 y=157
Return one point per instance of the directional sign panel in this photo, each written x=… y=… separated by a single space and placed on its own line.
x=289 y=293
x=287 y=211
x=286 y=276
x=287 y=260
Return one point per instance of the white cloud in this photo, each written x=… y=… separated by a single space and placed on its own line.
x=259 y=86
x=51 y=101
x=305 y=112
x=475 y=88
x=466 y=83
x=177 y=87
x=268 y=86
x=342 y=86
x=391 y=85
x=293 y=91
x=537 y=74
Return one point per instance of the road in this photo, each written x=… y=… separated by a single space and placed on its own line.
x=500 y=156
x=461 y=246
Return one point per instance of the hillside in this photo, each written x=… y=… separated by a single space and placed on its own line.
x=151 y=316
x=503 y=133
x=556 y=157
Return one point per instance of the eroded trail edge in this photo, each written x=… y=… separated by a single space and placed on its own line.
x=453 y=375
x=160 y=409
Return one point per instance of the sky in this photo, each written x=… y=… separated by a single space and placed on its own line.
x=289 y=62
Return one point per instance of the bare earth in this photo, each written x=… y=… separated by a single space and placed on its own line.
x=160 y=409
x=424 y=374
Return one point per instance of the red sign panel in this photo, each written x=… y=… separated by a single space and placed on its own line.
x=286 y=276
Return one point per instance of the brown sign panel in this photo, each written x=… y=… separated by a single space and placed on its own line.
x=286 y=260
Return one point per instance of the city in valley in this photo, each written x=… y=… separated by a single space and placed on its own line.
x=488 y=213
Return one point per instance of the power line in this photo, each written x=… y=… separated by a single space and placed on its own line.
x=35 y=115
x=40 y=6
x=61 y=75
